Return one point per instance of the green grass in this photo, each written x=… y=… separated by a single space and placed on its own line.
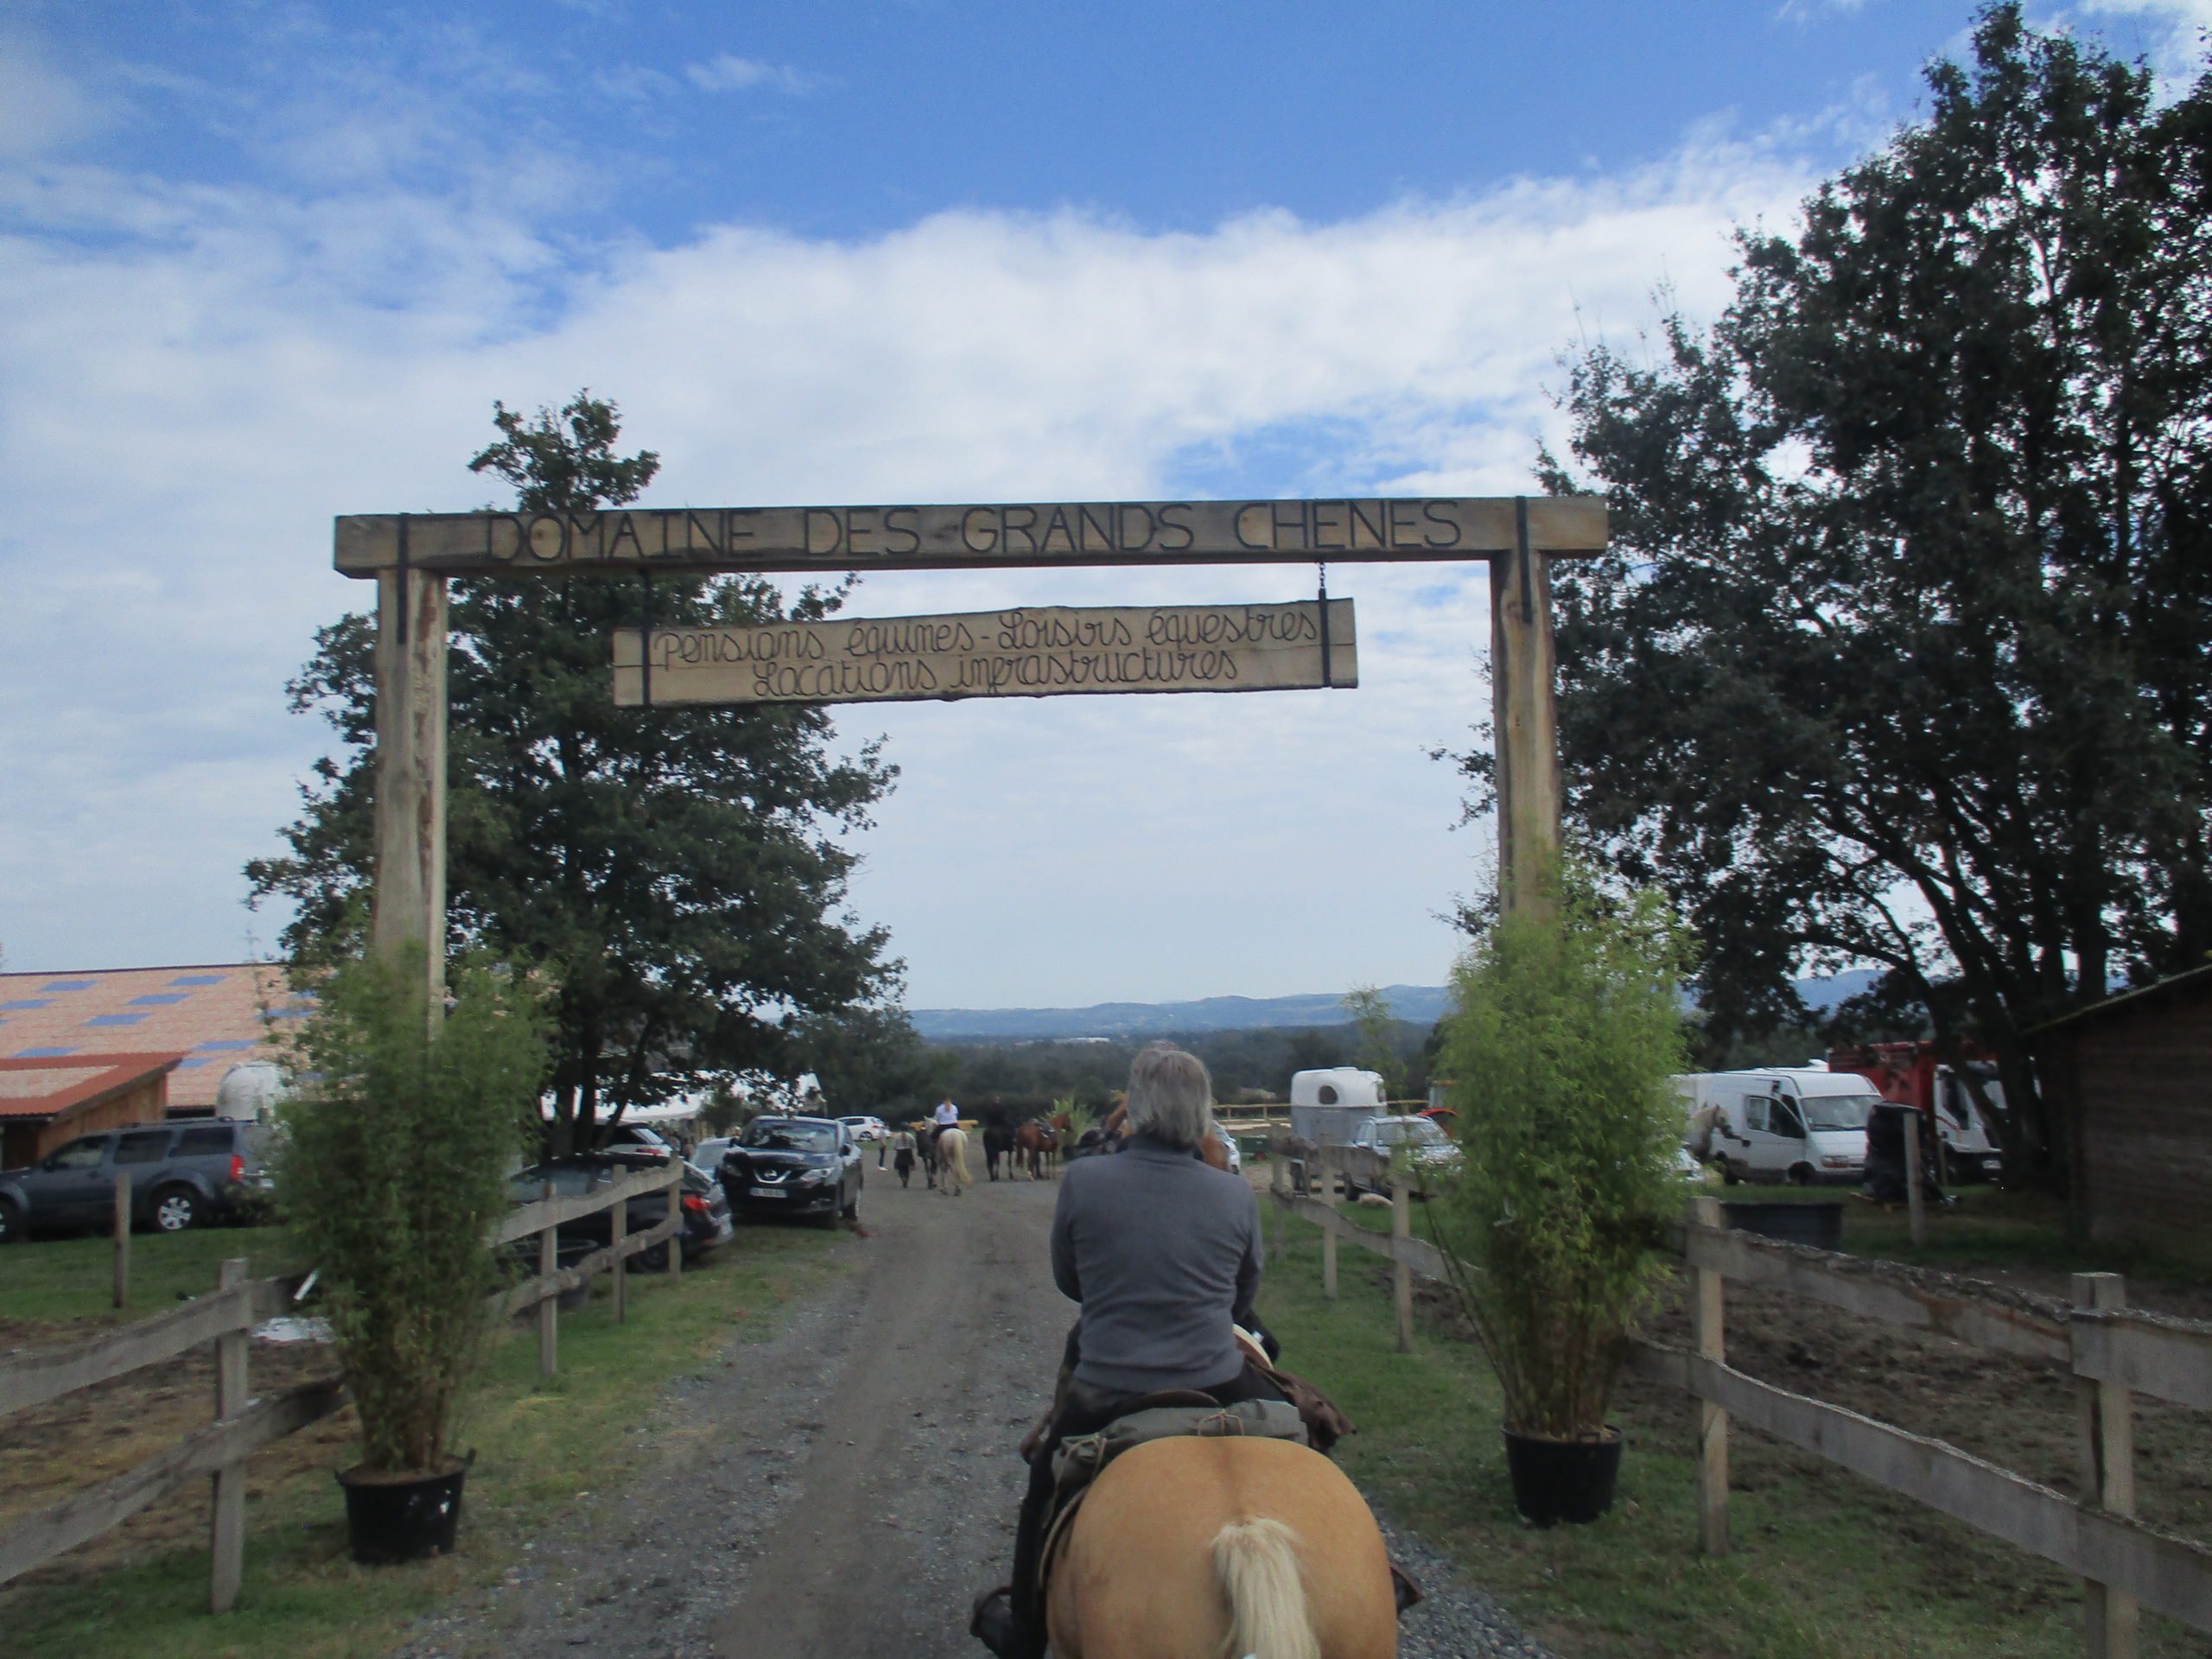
x=1827 y=1566
x=539 y=1447
x=47 y=1280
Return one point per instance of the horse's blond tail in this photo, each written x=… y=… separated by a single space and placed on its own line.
x=1256 y=1562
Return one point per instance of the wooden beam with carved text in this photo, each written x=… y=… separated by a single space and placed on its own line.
x=1035 y=651
x=1000 y=535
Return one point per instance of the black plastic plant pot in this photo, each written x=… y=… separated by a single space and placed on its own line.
x=409 y=1519
x=1563 y=1480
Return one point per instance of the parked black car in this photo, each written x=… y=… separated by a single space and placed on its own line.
x=706 y=1212
x=182 y=1175
x=795 y=1166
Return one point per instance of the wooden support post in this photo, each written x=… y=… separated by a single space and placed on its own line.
x=2112 y=1618
x=122 y=1239
x=618 y=1232
x=228 y=1550
x=1402 y=1277
x=1523 y=721
x=676 y=1242
x=1709 y=1340
x=1278 y=1190
x=1329 y=1229
x=410 y=910
x=549 y=1307
x=1915 y=1207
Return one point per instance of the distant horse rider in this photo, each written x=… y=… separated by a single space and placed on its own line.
x=902 y=1154
x=947 y=1116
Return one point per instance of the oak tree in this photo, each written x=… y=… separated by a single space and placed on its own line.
x=678 y=871
x=1902 y=651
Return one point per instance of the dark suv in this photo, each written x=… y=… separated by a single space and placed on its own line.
x=795 y=1166
x=182 y=1175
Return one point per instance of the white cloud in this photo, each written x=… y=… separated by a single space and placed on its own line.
x=197 y=380
x=1811 y=11
x=728 y=72
x=2175 y=33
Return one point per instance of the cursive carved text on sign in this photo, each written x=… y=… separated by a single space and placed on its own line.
x=1032 y=653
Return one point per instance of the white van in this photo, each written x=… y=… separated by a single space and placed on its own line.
x=1803 y=1126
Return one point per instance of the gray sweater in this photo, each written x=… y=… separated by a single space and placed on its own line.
x=1163 y=1252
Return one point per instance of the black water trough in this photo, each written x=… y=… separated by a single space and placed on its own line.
x=1820 y=1225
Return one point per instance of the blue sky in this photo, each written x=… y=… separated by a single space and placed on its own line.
x=263 y=264
x=841 y=119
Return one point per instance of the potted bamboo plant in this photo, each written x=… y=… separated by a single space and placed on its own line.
x=394 y=1168
x=1566 y=1024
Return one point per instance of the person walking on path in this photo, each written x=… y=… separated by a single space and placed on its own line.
x=902 y=1150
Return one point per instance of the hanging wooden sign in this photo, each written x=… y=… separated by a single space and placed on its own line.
x=1053 y=650
x=982 y=535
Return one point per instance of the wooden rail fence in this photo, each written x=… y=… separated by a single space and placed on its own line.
x=244 y=1425
x=2112 y=1350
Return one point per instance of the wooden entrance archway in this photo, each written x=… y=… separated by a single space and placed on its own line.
x=410 y=556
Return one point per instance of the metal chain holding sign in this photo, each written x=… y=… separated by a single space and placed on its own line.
x=1321 y=570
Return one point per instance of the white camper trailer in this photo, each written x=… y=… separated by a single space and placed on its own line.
x=1800 y=1125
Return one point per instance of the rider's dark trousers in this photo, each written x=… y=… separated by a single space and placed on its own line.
x=1084 y=1411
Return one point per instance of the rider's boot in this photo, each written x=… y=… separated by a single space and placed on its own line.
x=1006 y=1632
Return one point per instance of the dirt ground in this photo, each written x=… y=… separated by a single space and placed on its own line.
x=100 y=1431
x=841 y=1488
x=2020 y=1414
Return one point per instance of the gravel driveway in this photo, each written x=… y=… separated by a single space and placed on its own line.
x=840 y=1489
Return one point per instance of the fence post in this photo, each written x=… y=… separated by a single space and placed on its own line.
x=1916 y=1208
x=2111 y=1616
x=619 y=1233
x=122 y=1239
x=1329 y=1227
x=1279 y=1178
x=1708 y=1333
x=676 y=1212
x=228 y=1545
x=548 y=1306
x=1402 y=1277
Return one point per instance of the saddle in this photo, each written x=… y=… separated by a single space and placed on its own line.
x=1080 y=1459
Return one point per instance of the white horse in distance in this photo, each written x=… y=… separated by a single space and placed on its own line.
x=950 y=1156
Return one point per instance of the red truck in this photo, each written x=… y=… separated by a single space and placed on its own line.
x=1910 y=1074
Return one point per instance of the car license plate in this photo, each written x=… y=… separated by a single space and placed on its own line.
x=766 y=1192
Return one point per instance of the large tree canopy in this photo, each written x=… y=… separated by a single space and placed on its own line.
x=1900 y=655
x=676 y=870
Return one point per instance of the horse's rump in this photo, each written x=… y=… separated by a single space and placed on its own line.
x=1183 y=1545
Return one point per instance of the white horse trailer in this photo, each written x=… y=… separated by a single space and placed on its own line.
x=1328 y=1106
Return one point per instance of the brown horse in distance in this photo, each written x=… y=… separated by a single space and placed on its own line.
x=1213 y=1149
x=1032 y=1145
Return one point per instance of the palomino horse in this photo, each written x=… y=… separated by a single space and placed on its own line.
x=1192 y=1549
x=950 y=1155
x=1032 y=1143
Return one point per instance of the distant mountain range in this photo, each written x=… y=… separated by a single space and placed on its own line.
x=1419 y=1003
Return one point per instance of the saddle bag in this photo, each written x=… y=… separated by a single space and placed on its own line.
x=1080 y=1457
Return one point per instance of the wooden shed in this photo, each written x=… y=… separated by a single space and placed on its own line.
x=47 y=1099
x=2133 y=1076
